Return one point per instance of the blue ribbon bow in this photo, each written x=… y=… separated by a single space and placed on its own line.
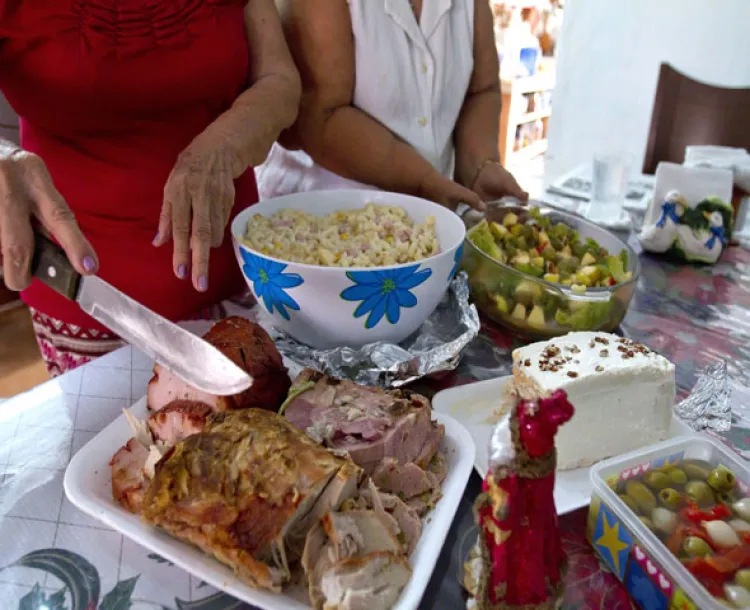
x=716 y=233
x=668 y=209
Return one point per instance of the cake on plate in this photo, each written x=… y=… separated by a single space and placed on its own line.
x=622 y=391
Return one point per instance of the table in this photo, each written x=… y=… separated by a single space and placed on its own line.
x=52 y=556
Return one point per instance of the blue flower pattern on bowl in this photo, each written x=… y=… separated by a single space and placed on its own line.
x=270 y=283
x=384 y=292
x=456 y=262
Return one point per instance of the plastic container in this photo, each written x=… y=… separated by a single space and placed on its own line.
x=489 y=278
x=652 y=575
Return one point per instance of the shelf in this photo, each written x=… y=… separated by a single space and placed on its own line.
x=530 y=117
x=529 y=152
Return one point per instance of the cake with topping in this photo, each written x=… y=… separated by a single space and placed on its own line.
x=622 y=391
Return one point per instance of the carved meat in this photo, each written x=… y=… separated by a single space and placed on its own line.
x=250 y=348
x=244 y=487
x=128 y=479
x=178 y=420
x=368 y=423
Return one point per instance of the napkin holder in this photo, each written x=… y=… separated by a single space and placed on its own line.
x=690 y=217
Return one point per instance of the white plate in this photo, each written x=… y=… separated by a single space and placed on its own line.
x=88 y=486
x=474 y=405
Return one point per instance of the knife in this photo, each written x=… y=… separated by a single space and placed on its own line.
x=182 y=353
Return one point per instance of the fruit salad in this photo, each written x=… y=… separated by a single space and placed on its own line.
x=548 y=256
x=699 y=513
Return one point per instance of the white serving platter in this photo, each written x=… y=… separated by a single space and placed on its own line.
x=88 y=486
x=474 y=406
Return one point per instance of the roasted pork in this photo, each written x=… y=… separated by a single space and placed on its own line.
x=129 y=481
x=368 y=423
x=243 y=487
x=248 y=346
x=178 y=420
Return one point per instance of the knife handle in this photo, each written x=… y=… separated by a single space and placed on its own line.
x=52 y=267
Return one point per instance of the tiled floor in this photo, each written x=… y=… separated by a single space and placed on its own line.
x=21 y=365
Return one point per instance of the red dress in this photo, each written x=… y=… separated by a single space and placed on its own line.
x=524 y=560
x=109 y=92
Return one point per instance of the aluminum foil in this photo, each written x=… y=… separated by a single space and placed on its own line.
x=435 y=347
x=709 y=405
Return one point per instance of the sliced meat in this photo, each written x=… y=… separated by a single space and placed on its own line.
x=409 y=523
x=128 y=479
x=404 y=480
x=425 y=502
x=368 y=423
x=178 y=420
x=372 y=582
x=438 y=467
x=250 y=348
x=358 y=532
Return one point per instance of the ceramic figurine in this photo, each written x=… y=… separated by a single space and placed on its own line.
x=702 y=236
x=518 y=562
x=659 y=237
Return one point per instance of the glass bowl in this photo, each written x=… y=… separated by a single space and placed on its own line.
x=509 y=296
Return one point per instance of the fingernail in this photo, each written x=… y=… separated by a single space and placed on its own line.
x=89 y=264
x=156 y=238
x=202 y=283
x=182 y=272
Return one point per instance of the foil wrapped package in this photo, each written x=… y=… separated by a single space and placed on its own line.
x=709 y=405
x=435 y=347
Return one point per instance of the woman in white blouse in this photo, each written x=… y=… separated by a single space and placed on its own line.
x=401 y=95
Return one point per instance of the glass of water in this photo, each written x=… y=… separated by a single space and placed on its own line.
x=609 y=185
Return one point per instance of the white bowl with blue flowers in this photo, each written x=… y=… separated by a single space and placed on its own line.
x=328 y=307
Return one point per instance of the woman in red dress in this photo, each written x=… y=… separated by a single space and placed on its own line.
x=140 y=126
x=521 y=558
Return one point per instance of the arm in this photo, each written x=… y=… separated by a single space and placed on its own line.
x=478 y=164
x=476 y=135
x=338 y=136
x=199 y=194
x=258 y=116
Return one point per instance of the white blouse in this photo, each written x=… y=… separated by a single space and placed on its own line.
x=412 y=77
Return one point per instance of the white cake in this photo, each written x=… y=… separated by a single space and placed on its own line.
x=623 y=393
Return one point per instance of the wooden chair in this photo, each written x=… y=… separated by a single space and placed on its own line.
x=687 y=113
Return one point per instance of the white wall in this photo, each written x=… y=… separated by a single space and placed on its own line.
x=608 y=65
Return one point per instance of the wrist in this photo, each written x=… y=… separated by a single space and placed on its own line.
x=480 y=168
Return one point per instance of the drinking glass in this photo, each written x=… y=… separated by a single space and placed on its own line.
x=609 y=185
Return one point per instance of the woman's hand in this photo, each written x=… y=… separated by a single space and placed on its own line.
x=448 y=193
x=198 y=199
x=494 y=182
x=27 y=193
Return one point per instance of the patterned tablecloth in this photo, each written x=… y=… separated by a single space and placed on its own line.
x=53 y=557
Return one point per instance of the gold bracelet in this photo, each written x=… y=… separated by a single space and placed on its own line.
x=480 y=167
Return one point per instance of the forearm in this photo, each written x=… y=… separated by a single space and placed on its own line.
x=476 y=135
x=257 y=117
x=352 y=144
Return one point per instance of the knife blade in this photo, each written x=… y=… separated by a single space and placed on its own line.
x=194 y=360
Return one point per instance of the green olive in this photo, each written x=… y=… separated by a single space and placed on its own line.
x=721 y=479
x=722 y=497
x=697 y=470
x=629 y=503
x=641 y=495
x=677 y=476
x=700 y=493
x=656 y=480
x=696 y=547
x=647 y=522
x=742 y=578
x=670 y=498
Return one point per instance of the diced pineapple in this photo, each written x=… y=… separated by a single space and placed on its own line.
x=543 y=239
x=588 y=259
x=519 y=313
x=538 y=261
x=498 y=230
x=536 y=317
x=566 y=281
x=566 y=252
x=527 y=292
x=501 y=302
x=578 y=288
x=589 y=275
x=510 y=219
x=522 y=258
x=552 y=277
